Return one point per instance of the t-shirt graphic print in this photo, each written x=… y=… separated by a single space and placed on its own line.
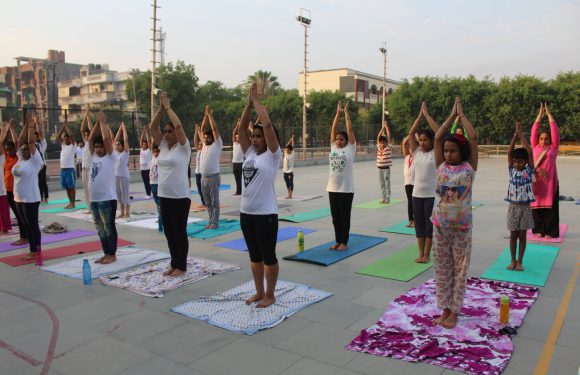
x=249 y=171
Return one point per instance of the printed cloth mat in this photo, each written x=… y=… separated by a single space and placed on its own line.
x=149 y=281
x=126 y=258
x=298 y=197
x=475 y=346
x=135 y=216
x=228 y=309
x=563 y=229
x=197 y=230
x=152 y=223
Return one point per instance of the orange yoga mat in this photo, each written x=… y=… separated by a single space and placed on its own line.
x=61 y=252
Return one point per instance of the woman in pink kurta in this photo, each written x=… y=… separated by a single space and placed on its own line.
x=545 y=146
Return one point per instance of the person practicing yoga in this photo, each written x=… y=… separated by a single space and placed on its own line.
x=103 y=195
x=545 y=145
x=456 y=161
x=237 y=159
x=288 y=167
x=86 y=158
x=145 y=157
x=10 y=144
x=520 y=195
x=209 y=168
x=425 y=181
x=26 y=191
x=154 y=180
x=198 y=144
x=172 y=165
x=340 y=186
x=40 y=144
x=5 y=222
x=409 y=176
x=67 y=163
x=122 y=176
x=259 y=209
x=385 y=161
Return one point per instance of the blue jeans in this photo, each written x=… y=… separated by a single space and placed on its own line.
x=154 y=190
x=104 y=217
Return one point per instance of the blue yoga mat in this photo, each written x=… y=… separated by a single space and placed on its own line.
x=222 y=187
x=283 y=235
x=323 y=256
x=197 y=230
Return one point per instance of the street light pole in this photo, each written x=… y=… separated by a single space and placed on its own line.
x=383 y=50
x=154 y=61
x=305 y=19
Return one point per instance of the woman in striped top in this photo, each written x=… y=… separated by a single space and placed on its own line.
x=384 y=162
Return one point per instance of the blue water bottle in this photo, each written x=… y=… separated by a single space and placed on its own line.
x=87 y=277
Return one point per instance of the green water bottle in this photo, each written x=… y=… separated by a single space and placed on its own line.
x=300 y=244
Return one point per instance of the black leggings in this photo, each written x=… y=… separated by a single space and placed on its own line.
x=29 y=213
x=42 y=185
x=289 y=179
x=260 y=233
x=422 y=210
x=19 y=218
x=409 y=192
x=146 y=182
x=238 y=177
x=340 y=208
x=547 y=220
x=175 y=213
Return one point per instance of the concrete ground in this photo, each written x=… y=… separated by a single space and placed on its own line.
x=77 y=329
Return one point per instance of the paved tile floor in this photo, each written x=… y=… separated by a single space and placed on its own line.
x=104 y=330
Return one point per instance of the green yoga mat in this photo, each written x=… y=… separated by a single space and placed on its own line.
x=197 y=230
x=306 y=216
x=538 y=262
x=398 y=266
x=62 y=209
x=59 y=201
x=377 y=204
x=400 y=228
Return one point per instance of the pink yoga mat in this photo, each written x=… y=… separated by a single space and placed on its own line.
x=61 y=252
x=50 y=238
x=563 y=228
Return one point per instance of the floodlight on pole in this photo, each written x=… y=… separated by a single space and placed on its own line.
x=383 y=50
x=305 y=19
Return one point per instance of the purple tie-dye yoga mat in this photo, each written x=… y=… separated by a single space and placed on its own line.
x=474 y=346
x=50 y=238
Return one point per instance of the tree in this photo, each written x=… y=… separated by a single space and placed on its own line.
x=267 y=83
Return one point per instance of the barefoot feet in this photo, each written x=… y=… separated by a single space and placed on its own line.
x=450 y=322
x=333 y=247
x=512 y=266
x=442 y=318
x=265 y=302
x=168 y=272
x=108 y=259
x=341 y=247
x=254 y=298
x=519 y=266
x=177 y=273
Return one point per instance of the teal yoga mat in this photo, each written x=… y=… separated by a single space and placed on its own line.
x=59 y=201
x=62 y=209
x=400 y=228
x=197 y=230
x=323 y=256
x=538 y=262
x=376 y=204
x=306 y=216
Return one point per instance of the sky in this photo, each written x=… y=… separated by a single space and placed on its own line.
x=227 y=40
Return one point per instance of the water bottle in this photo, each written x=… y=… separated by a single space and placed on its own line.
x=87 y=277
x=300 y=244
x=504 y=310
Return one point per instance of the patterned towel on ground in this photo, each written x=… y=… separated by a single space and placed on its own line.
x=136 y=216
x=474 y=346
x=148 y=280
x=228 y=309
x=126 y=258
x=197 y=230
x=152 y=223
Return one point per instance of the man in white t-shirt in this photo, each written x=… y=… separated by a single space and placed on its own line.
x=67 y=163
x=145 y=156
x=86 y=158
x=209 y=167
x=102 y=189
x=41 y=145
x=237 y=159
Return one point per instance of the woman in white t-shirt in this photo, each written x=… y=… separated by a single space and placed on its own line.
x=341 y=177
x=425 y=182
x=237 y=159
x=122 y=177
x=103 y=196
x=173 y=162
x=409 y=175
x=154 y=180
x=259 y=209
x=26 y=191
x=288 y=167
x=145 y=157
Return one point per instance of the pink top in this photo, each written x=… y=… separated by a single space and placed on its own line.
x=546 y=174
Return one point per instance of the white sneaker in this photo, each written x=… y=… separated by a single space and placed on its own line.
x=148 y=196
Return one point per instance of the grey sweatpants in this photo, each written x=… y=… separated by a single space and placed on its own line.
x=210 y=188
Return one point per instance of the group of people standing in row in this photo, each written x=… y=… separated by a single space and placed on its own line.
x=440 y=164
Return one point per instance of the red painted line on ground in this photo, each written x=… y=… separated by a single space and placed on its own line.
x=55 y=328
x=20 y=354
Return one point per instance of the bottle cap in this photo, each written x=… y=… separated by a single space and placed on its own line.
x=505 y=298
